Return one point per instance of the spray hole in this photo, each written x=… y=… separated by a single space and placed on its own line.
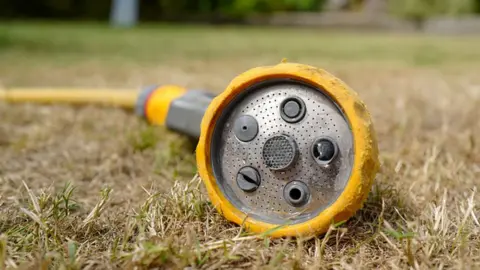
x=295 y=194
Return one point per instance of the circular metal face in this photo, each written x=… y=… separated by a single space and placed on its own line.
x=272 y=148
x=279 y=152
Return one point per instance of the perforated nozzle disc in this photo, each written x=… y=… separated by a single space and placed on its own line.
x=281 y=152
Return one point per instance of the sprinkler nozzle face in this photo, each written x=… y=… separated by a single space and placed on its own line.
x=287 y=150
x=286 y=131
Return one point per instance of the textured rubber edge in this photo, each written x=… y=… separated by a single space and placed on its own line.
x=366 y=162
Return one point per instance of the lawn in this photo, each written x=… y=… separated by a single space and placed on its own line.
x=98 y=188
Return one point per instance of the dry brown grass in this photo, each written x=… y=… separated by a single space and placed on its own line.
x=98 y=188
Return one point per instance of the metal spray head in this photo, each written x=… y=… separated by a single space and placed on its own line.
x=287 y=146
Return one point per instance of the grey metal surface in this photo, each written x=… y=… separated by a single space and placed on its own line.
x=186 y=112
x=229 y=155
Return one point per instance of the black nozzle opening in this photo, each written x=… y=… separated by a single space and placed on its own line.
x=324 y=150
x=296 y=193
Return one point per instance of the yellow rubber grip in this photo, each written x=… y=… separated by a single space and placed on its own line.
x=158 y=103
x=112 y=97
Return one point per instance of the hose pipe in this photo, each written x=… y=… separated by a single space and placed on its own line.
x=78 y=96
x=172 y=106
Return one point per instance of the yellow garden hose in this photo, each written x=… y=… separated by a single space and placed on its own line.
x=168 y=105
x=125 y=98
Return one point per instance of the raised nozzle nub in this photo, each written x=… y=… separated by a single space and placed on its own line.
x=296 y=193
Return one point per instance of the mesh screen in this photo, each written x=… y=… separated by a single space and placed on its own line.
x=278 y=152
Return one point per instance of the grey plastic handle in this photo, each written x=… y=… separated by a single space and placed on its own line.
x=186 y=112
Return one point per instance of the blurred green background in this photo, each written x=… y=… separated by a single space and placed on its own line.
x=226 y=10
x=71 y=42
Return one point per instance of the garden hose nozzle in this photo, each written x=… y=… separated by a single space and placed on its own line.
x=287 y=150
